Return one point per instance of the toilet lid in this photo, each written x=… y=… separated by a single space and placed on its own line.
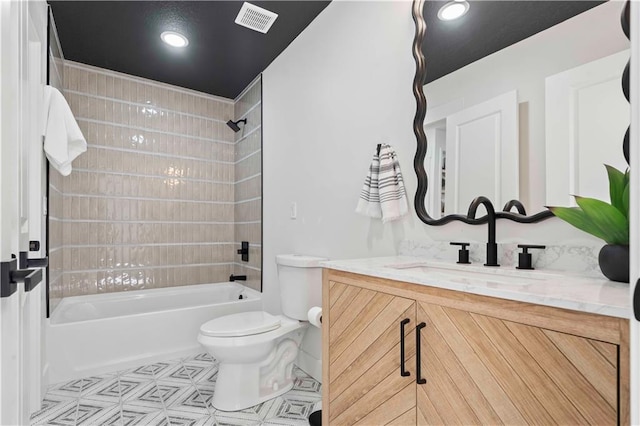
x=242 y=324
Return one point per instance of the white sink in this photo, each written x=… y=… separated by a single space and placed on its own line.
x=488 y=274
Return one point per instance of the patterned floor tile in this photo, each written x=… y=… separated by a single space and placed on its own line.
x=51 y=403
x=223 y=420
x=202 y=357
x=286 y=422
x=69 y=389
x=177 y=374
x=198 y=371
x=63 y=413
x=190 y=401
x=206 y=421
x=107 y=416
x=131 y=386
x=149 y=372
x=206 y=392
x=305 y=386
x=139 y=415
x=91 y=384
x=171 y=392
x=184 y=418
x=147 y=397
x=177 y=392
x=107 y=390
x=158 y=418
x=290 y=409
x=89 y=410
x=67 y=416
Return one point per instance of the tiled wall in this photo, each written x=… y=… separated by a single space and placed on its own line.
x=248 y=187
x=155 y=199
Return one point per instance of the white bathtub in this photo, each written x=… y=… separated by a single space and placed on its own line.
x=96 y=334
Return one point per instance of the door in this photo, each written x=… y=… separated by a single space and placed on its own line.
x=482 y=153
x=484 y=370
x=22 y=49
x=586 y=116
x=366 y=332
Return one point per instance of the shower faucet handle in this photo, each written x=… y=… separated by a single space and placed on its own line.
x=244 y=251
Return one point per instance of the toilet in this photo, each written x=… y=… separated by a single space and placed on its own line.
x=256 y=350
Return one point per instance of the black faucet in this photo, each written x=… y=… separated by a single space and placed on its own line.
x=233 y=278
x=492 y=247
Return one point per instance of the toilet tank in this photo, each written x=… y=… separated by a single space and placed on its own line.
x=300 y=279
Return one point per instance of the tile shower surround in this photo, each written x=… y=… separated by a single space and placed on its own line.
x=153 y=201
x=177 y=392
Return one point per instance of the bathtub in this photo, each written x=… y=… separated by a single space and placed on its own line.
x=96 y=334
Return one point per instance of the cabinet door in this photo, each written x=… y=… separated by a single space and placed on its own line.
x=483 y=370
x=365 y=383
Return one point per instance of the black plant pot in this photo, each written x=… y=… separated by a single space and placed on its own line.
x=614 y=262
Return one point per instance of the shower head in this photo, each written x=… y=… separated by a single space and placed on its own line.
x=234 y=124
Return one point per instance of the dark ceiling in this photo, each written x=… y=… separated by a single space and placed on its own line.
x=222 y=58
x=487 y=27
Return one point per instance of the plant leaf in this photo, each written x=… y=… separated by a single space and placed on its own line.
x=625 y=201
x=611 y=222
x=617 y=182
x=576 y=217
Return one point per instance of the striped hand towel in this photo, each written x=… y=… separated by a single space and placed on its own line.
x=383 y=194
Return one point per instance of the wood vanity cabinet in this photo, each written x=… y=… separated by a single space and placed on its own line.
x=483 y=360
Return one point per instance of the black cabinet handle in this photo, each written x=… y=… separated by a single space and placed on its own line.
x=419 y=379
x=403 y=372
x=636 y=301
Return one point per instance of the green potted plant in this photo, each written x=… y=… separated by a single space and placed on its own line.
x=609 y=222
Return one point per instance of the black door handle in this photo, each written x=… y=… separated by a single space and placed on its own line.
x=419 y=379
x=403 y=372
x=26 y=263
x=636 y=301
x=30 y=277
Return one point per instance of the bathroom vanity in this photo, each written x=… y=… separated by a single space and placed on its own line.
x=412 y=342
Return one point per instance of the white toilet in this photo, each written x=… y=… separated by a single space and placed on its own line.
x=256 y=350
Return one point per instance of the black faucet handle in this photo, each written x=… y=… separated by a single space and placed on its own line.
x=524 y=258
x=463 y=253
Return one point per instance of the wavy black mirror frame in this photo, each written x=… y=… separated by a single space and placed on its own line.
x=421 y=138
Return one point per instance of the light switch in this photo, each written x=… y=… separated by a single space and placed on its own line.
x=294 y=210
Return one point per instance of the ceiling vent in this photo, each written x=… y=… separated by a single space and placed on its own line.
x=255 y=18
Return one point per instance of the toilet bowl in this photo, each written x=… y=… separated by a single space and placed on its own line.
x=256 y=350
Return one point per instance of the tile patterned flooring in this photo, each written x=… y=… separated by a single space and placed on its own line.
x=168 y=393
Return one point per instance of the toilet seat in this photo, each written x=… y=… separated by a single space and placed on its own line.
x=241 y=324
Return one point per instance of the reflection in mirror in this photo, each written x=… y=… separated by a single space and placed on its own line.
x=524 y=103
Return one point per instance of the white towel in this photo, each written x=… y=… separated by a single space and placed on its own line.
x=383 y=194
x=63 y=139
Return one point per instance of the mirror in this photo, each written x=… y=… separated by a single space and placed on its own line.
x=522 y=102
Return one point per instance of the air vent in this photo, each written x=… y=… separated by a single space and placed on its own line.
x=255 y=18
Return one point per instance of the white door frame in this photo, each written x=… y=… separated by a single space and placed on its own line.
x=22 y=59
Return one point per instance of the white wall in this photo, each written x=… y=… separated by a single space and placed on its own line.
x=340 y=88
x=343 y=86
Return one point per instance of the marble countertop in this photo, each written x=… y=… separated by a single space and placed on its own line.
x=598 y=296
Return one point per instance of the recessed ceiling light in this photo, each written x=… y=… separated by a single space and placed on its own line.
x=174 y=39
x=453 y=10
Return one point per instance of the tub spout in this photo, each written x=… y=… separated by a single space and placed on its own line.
x=237 y=277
